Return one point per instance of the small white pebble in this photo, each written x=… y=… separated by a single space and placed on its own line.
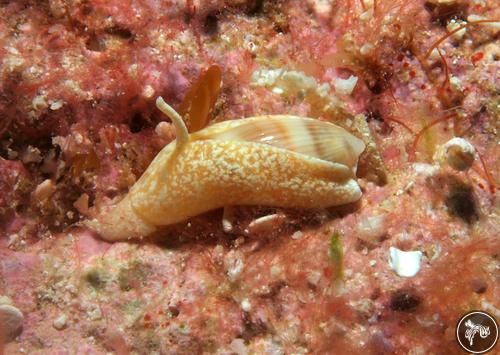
x=314 y=277
x=60 y=322
x=39 y=102
x=456 y=83
x=246 y=305
x=148 y=91
x=56 y=105
x=345 y=86
x=371 y=228
x=425 y=169
x=434 y=56
x=275 y=270
x=297 y=235
x=165 y=130
x=278 y=90
x=453 y=25
x=238 y=346
x=265 y=224
x=373 y=262
x=405 y=263
x=228 y=219
x=366 y=48
x=44 y=190
x=236 y=268
x=31 y=155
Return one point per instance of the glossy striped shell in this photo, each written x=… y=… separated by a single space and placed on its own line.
x=284 y=161
x=303 y=135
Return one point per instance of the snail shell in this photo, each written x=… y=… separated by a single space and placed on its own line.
x=277 y=160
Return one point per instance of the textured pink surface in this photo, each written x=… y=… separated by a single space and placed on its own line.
x=77 y=90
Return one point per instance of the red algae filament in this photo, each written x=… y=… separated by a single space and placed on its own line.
x=421 y=132
x=476 y=57
x=392 y=119
x=491 y=183
x=446 y=71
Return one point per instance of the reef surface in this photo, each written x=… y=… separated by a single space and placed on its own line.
x=78 y=126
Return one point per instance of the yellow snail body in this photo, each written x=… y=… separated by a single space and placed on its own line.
x=275 y=160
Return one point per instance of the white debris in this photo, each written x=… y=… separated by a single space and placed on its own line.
x=82 y=204
x=11 y=320
x=371 y=228
x=276 y=271
x=39 y=102
x=366 y=48
x=345 y=86
x=44 y=190
x=405 y=263
x=235 y=266
x=289 y=82
x=278 y=90
x=367 y=15
x=246 y=305
x=266 y=223
x=56 y=105
x=31 y=155
x=455 y=24
x=165 y=130
x=434 y=55
x=297 y=235
x=314 y=277
x=456 y=84
x=228 y=219
x=148 y=91
x=60 y=322
x=425 y=169
x=238 y=346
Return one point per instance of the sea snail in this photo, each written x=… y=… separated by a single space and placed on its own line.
x=274 y=160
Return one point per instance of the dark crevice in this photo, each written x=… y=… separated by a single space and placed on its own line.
x=405 y=301
x=211 y=24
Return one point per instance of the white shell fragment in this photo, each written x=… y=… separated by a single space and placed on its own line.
x=405 y=263
x=11 y=320
x=345 y=86
x=458 y=153
x=60 y=322
x=371 y=228
x=265 y=224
